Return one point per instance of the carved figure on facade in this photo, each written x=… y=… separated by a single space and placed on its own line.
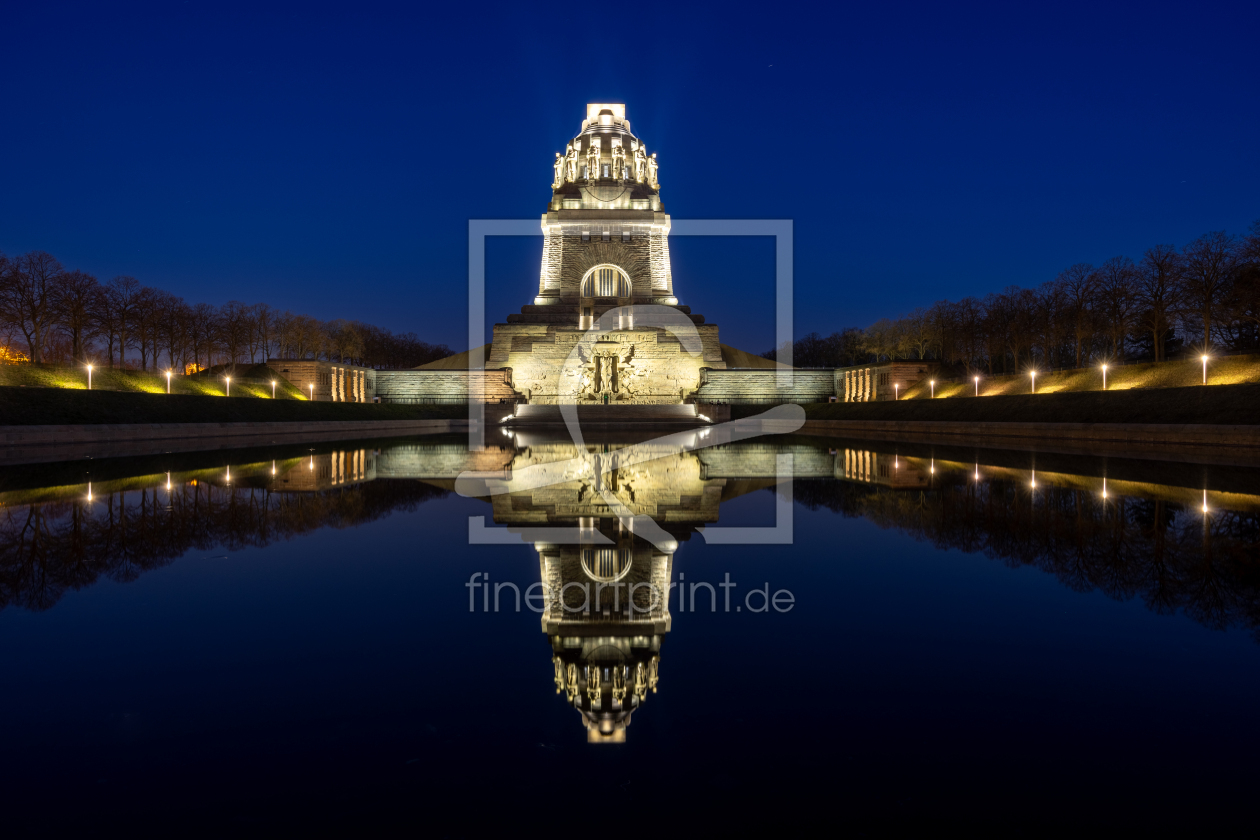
x=592 y=162
x=606 y=364
x=618 y=160
x=652 y=168
x=571 y=157
x=640 y=164
x=558 y=179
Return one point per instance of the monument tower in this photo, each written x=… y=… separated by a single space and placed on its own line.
x=606 y=247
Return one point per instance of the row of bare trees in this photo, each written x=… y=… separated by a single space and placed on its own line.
x=65 y=316
x=1205 y=295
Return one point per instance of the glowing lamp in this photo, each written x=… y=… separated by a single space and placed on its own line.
x=89 y=367
x=932 y=382
x=977 y=381
x=273 y=389
x=1104 y=370
x=1033 y=374
x=312 y=391
x=168 y=382
x=1205 y=358
x=228 y=392
x=896 y=391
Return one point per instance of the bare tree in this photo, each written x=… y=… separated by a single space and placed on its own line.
x=1159 y=293
x=1119 y=300
x=1207 y=264
x=201 y=325
x=145 y=315
x=1079 y=284
x=76 y=298
x=120 y=300
x=26 y=298
x=234 y=330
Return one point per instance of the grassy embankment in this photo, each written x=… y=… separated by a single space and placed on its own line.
x=56 y=406
x=248 y=381
x=1183 y=373
x=1212 y=404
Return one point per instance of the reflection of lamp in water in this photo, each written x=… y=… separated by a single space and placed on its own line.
x=168 y=482
x=312 y=463
x=1033 y=482
x=932 y=468
x=1104 y=486
x=228 y=480
x=90 y=492
x=273 y=467
x=977 y=470
x=1205 y=507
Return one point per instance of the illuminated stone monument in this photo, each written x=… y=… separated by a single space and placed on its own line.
x=605 y=249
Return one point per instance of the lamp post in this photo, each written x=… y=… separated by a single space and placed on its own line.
x=932 y=382
x=228 y=392
x=273 y=389
x=896 y=391
x=89 y=367
x=1104 y=370
x=977 y=380
x=312 y=392
x=168 y=382
x=1033 y=374
x=1205 y=358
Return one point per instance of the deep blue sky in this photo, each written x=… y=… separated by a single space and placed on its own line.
x=327 y=160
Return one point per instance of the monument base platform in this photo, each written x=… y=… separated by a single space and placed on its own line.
x=621 y=415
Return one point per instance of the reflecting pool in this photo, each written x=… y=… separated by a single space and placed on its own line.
x=410 y=630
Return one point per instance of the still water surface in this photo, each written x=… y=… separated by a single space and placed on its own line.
x=306 y=634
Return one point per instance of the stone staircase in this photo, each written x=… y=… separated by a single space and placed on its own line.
x=607 y=415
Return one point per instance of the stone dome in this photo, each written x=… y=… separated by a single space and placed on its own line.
x=605 y=165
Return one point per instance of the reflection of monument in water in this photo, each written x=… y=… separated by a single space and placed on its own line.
x=1129 y=537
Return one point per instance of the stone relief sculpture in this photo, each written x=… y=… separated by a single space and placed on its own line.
x=558 y=179
x=592 y=162
x=640 y=164
x=571 y=156
x=619 y=161
x=606 y=364
x=652 y=167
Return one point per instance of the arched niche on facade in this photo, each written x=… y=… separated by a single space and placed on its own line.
x=603 y=281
